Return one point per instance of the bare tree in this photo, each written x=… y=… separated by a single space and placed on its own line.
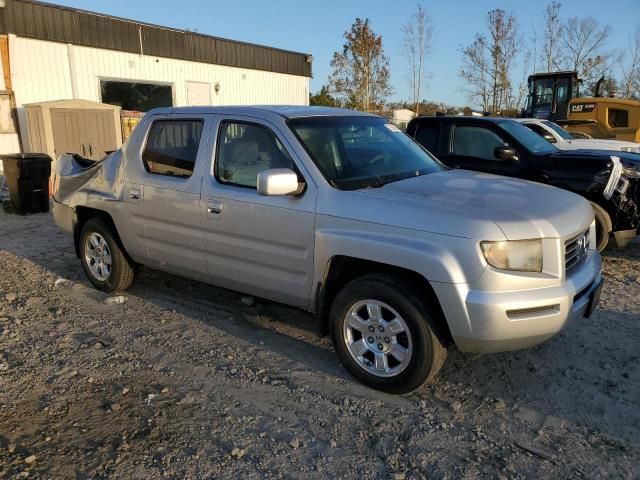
x=476 y=70
x=630 y=69
x=486 y=63
x=552 y=29
x=583 y=41
x=503 y=28
x=417 y=37
x=531 y=51
x=361 y=70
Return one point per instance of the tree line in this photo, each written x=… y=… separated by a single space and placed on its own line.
x=361 y=77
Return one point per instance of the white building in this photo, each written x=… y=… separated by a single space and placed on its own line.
x=402 y=117
x=56 y=53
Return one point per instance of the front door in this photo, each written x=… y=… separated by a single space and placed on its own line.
x=262 y=245
x=473 y=148
x=169 y=198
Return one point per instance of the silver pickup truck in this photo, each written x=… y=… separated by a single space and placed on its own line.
x=341 y=214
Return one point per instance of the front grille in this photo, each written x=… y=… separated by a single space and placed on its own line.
x=575 y=249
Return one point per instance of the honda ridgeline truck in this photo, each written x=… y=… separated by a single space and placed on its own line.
x=341 y=214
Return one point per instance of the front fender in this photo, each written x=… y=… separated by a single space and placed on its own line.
x=438 y=258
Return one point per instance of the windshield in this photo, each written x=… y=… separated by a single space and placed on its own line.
x=530 y=140
x=540 y=92
x=559 y=130
x=362 y=152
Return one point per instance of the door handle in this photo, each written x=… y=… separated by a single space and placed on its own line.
x=90 y=150
x=134 y=194
x=214 y=207
x=84 y=151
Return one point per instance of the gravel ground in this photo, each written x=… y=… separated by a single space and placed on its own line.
x=182 y=380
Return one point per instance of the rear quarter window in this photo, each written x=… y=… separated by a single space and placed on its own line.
x=428 y=136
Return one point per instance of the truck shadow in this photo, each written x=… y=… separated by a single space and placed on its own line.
x=588 y=375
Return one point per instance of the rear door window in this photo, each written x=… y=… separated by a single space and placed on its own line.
x=428 y=136
x=476 y=142
x=172 y=147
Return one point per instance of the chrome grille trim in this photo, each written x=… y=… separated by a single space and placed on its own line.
x=575 y=249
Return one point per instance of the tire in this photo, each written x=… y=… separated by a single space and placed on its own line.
x=603 y=226
x=424 y=354
x=98 y=240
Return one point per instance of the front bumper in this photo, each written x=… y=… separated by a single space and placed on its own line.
x=484 y=322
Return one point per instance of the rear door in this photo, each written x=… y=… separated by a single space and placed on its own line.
x=434 y=137
x=173 y=155
x=257 y=244
x=473 y=147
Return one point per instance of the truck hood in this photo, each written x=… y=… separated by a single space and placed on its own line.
x=602 y=144
x=600 y=156
x=470 y=204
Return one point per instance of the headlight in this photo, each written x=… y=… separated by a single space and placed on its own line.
x=518 y=255
x=631 y=149
x=631 y=172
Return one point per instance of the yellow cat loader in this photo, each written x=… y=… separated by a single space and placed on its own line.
x=601 y=117
x=556 y=96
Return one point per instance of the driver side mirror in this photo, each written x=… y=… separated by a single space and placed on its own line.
x=279 y=181
x=505 y=153
x=548 y=137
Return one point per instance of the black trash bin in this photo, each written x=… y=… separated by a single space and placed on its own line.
x=27 y=176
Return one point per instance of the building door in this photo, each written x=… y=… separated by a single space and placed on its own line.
x=198 y=93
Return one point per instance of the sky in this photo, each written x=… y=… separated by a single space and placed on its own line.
x=317 y=28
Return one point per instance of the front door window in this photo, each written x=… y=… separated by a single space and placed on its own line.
x=476 y=142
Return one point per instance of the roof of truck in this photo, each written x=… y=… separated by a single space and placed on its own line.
x=457 y=118
x=286 y=111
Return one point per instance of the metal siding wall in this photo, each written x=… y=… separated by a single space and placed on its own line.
x=60 y=24
x=39 y=70
x=29 y=57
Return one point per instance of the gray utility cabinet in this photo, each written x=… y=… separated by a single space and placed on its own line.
x=87 y=128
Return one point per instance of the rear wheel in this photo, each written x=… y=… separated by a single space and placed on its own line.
x=603 y=226
x=383 y=335
x=103 y=260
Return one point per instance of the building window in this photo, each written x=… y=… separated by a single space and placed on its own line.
x=172 y=147
x=140 y=97
x=617 y=118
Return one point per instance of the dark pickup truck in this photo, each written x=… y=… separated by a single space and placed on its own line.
x=609 y=180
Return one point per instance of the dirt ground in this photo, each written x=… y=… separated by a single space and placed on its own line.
x=184 y=381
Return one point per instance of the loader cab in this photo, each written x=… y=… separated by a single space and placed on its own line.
x=550 y=94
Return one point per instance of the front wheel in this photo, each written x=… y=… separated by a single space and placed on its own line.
x=103 y=260
x=383 y=336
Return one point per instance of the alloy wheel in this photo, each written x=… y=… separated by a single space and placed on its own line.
x=98 y=256
x=377 y=338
